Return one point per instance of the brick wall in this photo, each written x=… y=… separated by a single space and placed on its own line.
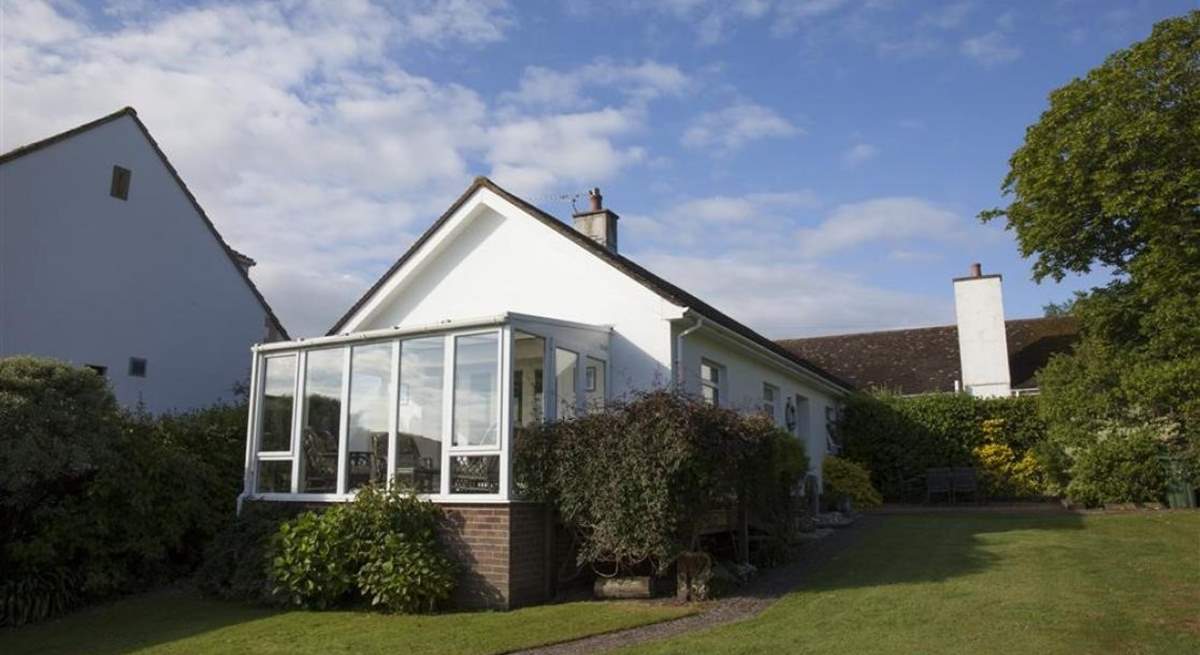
x=501 y=550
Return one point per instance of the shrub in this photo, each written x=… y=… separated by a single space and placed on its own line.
x=382 y=547
x=637 y=481
x=96 y=501
x=846 y=479
x=899 y=438
x=1121 y=466
x=235 y=562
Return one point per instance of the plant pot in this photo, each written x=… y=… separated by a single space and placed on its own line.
x=627 y=587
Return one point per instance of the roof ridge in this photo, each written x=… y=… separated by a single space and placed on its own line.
x=1029 y=319
x=631 y=268
x=21 y=151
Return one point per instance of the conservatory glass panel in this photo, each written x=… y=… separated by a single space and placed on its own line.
x=565 y=365
x=370 y=399
x=419 y=414
x=476 y=391
x=322 y=420
x=593 y=384
x=475 y=474
x=279 y=388
x=274 y=476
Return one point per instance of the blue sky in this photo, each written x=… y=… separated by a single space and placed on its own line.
x=809 y=167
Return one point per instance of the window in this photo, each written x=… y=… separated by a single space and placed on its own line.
x=803 y=420
x=529 y=360
x=710 y=382
x=566 y=369
x=770 y=393
x=279 y=387
x=475 y=474
x=120 y=183
x=476 y=391
x=137 y=367
x=321 y=436
x=594 y=384
x=102 y=371
x=419 y=414
x=369 y=408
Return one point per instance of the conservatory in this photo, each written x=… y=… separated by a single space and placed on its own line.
x=434 y=408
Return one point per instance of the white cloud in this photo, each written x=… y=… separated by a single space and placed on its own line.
x=789 y=15
x=751 y=220
x=788 y=298
x=529 y=155
x=880 y=219
x=548 y=88
x=309 y=146
x=991 y=49
x=859 y=153
x=949 y=16
x=734 y=126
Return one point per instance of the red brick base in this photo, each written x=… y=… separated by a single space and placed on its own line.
x=502 y=552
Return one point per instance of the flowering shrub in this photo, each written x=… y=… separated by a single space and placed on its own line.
x=846 y=479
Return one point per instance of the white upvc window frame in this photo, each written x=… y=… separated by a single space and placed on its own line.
x=255 y=455
x=717 y=385
x=503 y=425
x=770 y=406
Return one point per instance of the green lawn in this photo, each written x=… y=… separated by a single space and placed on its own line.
x=1121 y=583
x=179 y=621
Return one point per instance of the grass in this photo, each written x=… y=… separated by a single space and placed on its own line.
x=1113 y=583
x=180 y=621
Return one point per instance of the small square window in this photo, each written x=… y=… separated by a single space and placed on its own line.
x=102 y=371
x=120 y=182
x=710 y=382
x=137 y=367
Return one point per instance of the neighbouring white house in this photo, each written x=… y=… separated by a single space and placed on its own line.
x=108 y=261
x=500 y=316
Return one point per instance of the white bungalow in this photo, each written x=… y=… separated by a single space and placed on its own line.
x=500 y=316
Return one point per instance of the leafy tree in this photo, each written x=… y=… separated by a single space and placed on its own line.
x=1109 y=178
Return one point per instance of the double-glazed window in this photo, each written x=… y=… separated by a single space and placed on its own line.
x=710 y=382
x=404 y=409
x=770 y=398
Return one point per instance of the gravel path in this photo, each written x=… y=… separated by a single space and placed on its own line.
x=747 y=603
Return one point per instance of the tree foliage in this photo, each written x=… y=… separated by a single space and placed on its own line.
x=1109 y=177
x=96 y=501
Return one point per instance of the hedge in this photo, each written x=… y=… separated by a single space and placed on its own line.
x=898 y=438
x=96 y=501
x=637 y=482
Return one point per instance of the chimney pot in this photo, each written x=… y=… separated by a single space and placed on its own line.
x=976 y=270
x=596 y=198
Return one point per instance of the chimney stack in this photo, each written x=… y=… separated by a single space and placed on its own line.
x=982 y=335
x=598 y=223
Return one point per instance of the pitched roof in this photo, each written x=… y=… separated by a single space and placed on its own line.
x=658 y=285
x=925 y=360
x=232 y=254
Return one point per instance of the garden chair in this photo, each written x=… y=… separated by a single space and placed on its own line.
x=965 y=481
x=938 y=481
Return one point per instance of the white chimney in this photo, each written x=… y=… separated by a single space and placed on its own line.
x=598 y=223
x=982 y=343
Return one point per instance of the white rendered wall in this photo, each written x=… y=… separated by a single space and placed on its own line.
x=494 y=259
x=742 y=389
x=92 y=279
x=982 y=344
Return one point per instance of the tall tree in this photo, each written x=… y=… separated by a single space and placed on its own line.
x=1109 y=178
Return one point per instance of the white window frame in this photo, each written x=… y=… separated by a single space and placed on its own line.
x=772 y=403
x=449 y=450
x=716 y=386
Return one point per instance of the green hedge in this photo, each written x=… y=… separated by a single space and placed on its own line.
x=637 y=481
x=898 y=438
x=96 y=501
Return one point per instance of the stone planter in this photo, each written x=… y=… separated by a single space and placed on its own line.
x=630 y=587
